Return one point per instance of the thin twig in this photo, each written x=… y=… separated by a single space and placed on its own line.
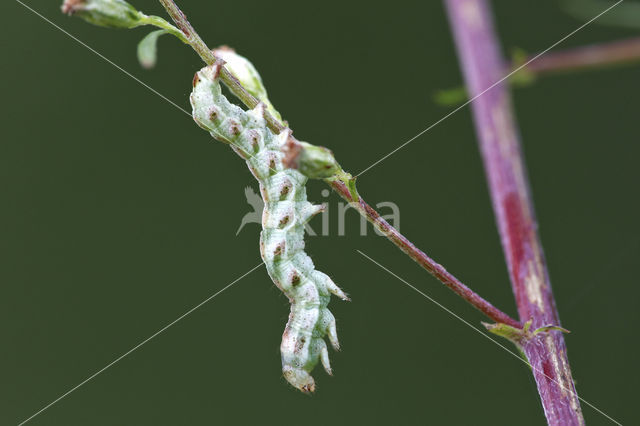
x=363 y=208
x=583 y=58
x=482 y=65
x=422 y=259
x=588 y=57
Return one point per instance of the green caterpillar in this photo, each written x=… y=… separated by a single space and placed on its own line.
x=286 y=210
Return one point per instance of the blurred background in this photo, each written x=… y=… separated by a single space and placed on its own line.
x=119 y=214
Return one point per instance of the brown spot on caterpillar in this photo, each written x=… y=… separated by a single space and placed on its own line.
x=284 y=191
x=272 y=164
x=295 y=279
x=214 y=114
x=234 y=128
x=279 y=249
x=254 y=139
x=300 y=344
x=196 y=80
x=283 y=222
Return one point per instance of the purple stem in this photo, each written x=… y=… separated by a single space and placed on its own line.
x=483 y=65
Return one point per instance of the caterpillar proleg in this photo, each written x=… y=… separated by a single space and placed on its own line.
x=286 y=210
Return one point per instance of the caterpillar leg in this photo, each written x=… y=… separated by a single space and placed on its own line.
x=337 y=291
x=323 y=278
x=324 y=357
x=328 y=325
x=333 y=335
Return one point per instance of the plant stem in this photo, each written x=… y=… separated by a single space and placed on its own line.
x=482 y=65
x=421 y=258
x=363 y=208
x=161 y=23
x=587 y=57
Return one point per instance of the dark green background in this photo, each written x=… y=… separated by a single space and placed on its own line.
x=119 y=214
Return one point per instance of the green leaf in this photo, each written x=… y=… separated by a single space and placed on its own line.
x=518 y=335
x=547 y=328
x=523 y=77
x=148 y=49
x=507 y=331
x=450 y=97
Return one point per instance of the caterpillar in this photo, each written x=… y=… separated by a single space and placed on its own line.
x=286 y=210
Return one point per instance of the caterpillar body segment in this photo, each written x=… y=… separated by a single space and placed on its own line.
x=286 y=210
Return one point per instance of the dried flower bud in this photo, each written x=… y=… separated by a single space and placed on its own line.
x=105 y=13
